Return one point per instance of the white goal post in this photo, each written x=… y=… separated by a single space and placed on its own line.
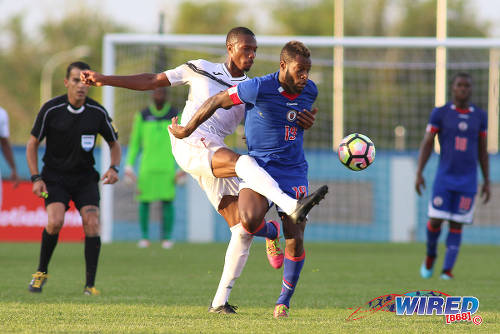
x=112 y=41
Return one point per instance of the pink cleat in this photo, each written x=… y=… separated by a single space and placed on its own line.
x=273 y=250
x=280 y=311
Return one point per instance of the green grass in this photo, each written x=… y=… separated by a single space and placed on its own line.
x=157 y=291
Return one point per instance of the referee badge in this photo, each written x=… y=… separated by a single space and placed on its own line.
x=88 y=142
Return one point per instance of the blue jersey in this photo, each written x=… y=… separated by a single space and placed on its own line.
x=273 y=136
x=458 y=132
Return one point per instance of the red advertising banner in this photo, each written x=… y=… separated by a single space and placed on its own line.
x=23 y=216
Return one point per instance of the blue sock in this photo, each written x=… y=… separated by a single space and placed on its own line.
x=267 y=230
x=291 y=273
x=432 y=240
x=452 y=247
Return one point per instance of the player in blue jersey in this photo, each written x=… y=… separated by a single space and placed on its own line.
x=461 y=128
x=275 y=141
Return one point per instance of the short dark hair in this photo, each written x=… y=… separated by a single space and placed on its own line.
x=236 y=32
x=77 y=64
x=292 y=49
x=460 y=75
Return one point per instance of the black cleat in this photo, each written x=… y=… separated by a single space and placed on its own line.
x=223 y=309
x=304 y=205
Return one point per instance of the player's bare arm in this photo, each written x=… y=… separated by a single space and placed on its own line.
x=9 y=156
x=306 y=118
x=39 y=186
x=425 y=152
x=143 y=81
x=484 y=162
x=207 y=109
x=111 y=176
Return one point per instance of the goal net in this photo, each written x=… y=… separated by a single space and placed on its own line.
x=388 y=93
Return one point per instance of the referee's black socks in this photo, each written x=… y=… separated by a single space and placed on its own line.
x=92 y=249
x=49 y=242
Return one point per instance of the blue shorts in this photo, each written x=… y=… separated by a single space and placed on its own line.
x=294 y=185
x=452 y=205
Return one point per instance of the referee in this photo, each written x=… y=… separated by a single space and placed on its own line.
x=70 y=123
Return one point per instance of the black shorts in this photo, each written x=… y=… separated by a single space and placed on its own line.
x=82 y=188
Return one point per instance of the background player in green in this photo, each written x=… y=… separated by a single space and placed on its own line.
x=157 y=169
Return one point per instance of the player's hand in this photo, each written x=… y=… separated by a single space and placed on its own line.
x=110 y=177
x=40 y=189
x=91 y=78
x=15 y=178
x=419 y=182
x=486 y=192
x=130 y=177
x=306 y=118
x=178 y=131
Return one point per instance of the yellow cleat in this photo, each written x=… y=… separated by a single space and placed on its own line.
x=39 y=279
x=91 y=291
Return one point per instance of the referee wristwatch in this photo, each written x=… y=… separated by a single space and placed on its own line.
x=36 y=177
x=115 y=168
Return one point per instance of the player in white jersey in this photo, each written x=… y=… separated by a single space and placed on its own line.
x=205 y=156
x=6 y=149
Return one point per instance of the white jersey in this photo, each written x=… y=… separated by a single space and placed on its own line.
x=205 y=80
x=4 y=124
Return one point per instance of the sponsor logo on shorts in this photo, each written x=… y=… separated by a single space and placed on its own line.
x=437 y=201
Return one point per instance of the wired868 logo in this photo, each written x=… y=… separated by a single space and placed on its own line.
x=454 y=308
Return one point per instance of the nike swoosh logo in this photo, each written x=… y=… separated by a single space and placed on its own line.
x=217 y=73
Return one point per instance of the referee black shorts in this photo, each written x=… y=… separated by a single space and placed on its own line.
x=82 y=188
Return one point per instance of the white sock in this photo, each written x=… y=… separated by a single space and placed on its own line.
x=260 y=181
x=236 y=257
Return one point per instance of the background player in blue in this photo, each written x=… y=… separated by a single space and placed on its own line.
x=461 y=128
x=275 y=141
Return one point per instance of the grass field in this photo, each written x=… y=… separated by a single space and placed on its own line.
x=157 y=291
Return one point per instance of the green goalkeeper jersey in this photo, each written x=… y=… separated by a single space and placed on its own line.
x=157 y=168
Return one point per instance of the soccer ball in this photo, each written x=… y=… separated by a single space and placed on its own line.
x=356 y=151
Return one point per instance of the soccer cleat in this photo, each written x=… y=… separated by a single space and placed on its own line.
x=91 y=291
x=426 y=273
x=38 y=281
x=280 y=311
x=446 y=275
x=223 y=309
x=304 y=205
x=143 y=243
x=167 y=244
x=274 y=253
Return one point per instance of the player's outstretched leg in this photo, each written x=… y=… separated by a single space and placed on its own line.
x=427 y=267
x=49 y=243
x=453 y=242
x=236 y=257
x=305 y=204
x=271 y=231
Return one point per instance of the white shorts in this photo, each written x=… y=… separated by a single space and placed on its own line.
x=194 y=156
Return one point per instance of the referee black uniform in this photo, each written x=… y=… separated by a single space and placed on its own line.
x=71 y=136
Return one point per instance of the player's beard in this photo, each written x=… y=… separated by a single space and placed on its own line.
x=290 y=83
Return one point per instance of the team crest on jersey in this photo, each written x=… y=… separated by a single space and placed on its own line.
x=291 y=115
x=437 y=201
x=462 y=126
x=88 y=142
